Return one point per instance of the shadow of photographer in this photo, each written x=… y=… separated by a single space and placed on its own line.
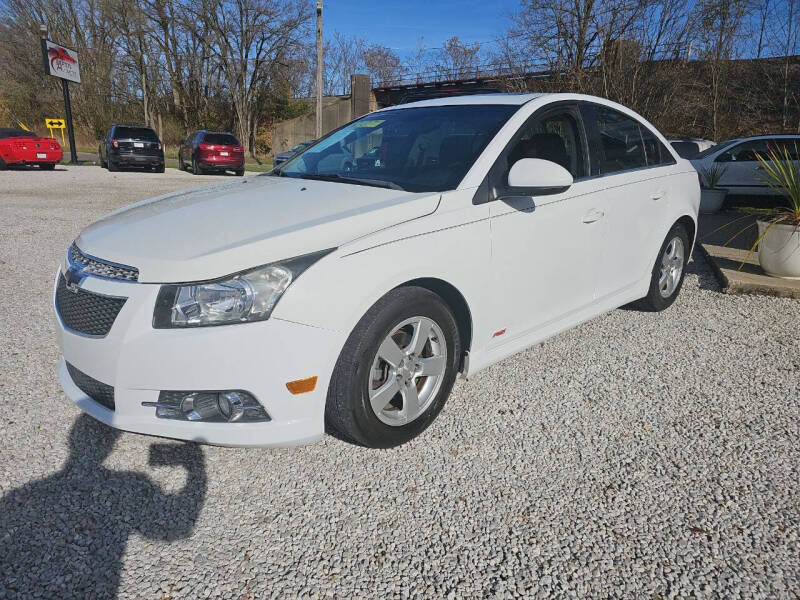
x=64 y=536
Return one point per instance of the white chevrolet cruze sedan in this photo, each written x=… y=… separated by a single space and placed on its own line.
x=348 y=288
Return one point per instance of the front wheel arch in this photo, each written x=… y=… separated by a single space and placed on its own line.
x=456 y=302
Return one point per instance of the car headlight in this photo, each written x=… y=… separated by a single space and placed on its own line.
x=247 y=296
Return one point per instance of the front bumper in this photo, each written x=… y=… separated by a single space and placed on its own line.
x=139 y=362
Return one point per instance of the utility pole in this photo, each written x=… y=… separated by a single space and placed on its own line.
x=319 y=69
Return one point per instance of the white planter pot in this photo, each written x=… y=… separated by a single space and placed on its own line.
x=779 y=250
x=711 y=200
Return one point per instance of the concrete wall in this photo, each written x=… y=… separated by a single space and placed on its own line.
x=336 y=111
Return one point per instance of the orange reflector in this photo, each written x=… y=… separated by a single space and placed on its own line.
x=302 y=386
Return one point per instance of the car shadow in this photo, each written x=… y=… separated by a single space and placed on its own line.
x=63 y=536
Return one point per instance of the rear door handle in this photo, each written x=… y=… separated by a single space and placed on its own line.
x=593 y=215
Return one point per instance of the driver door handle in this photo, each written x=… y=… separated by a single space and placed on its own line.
x=593 y=215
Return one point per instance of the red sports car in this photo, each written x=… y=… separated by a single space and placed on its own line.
x=19 y=147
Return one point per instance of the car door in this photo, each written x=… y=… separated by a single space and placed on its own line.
x=544 y=248
x=632 y=169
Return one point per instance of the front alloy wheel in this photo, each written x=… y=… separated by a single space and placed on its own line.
x=407 y=371
x=396 y=369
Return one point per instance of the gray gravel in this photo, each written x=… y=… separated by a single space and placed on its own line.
x=636 y=455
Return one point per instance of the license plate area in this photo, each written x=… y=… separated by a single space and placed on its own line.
x=138 y=145
x=41 y=155
x=223 y=154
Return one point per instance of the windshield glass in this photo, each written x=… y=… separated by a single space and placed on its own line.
x=9 y=133
x=426 y=149
x=136 y=133
x=222 y=139
x=720 y=146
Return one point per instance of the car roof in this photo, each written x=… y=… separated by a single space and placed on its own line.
x=495 y=98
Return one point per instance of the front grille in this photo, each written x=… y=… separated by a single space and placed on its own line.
x=98 y=391
x=102 y=268
x=86 y=312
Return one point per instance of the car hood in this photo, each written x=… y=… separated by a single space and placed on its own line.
x=229 y=227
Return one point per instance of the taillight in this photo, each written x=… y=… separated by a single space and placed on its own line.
x=205 y=146
x=238 y=149
x=114 y=144
x=53 y=146
x=158 y=146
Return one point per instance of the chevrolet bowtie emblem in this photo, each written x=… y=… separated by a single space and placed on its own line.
x=73 y=278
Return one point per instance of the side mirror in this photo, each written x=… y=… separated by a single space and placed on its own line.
x=535 y=177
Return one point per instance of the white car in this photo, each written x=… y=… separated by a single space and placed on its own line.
x=742 y=171
x=350 y=293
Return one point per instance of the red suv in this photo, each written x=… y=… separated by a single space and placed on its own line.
x=211 y=151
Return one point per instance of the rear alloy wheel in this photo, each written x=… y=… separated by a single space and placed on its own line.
x=667 y=276
x=196 y=168
x=396 y=369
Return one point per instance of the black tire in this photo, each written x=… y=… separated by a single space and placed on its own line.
x=159 y=169
x=112 y=167
x=655 y=301
x=348 y=408
x=47 y=166
x=181 y=164
x=196 y=168
x=3 y=165
x=240 y=172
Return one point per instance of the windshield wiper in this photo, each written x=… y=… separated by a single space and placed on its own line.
x=354 y=180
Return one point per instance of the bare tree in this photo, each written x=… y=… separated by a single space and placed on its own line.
x=382 y=64
x=457 y=59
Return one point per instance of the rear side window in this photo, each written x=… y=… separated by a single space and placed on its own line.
x=626 y=144
x=136 y=133
x=686 y=149
x=223 y=139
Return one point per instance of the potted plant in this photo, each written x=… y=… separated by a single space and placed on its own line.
x=779 y=237
x=712 y=197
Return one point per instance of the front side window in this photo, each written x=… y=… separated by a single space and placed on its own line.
x=555 y=137
x=744 y=152
x=426 y=149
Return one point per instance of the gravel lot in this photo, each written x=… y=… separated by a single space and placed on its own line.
x=636 y=455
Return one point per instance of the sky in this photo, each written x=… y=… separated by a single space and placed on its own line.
x=400 y=24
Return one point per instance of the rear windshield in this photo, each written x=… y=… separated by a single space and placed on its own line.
x=223 y=139
x=9 y=133
x=136 y=133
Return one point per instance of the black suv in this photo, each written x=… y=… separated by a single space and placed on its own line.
x=131 y=146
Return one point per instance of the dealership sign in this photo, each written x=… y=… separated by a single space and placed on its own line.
x=61 y=62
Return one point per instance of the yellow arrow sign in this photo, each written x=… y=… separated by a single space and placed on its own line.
x=56 y=124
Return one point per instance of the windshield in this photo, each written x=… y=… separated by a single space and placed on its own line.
x=426 y=149
x=720 y=146
x=222 y=139
x=9 y=133
x=136 y=133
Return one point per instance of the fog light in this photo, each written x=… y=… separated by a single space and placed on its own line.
x=231 y=405
x=209 y=407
